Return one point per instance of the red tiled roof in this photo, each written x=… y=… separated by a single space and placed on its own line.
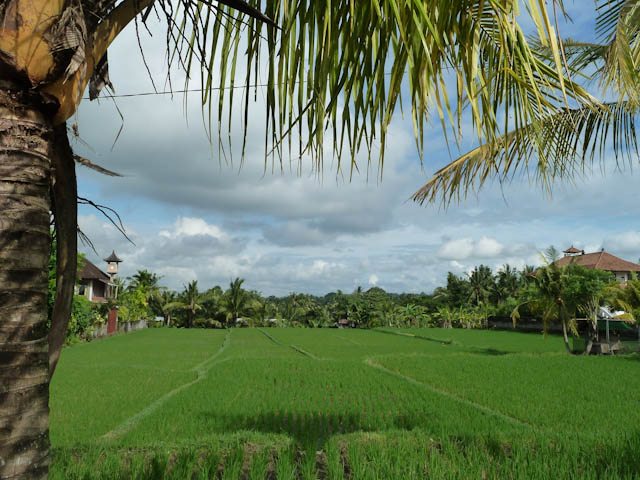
x=600 y=261
x=90 y=271
x=573 y=249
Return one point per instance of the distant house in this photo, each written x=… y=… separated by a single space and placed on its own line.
x=346 y=323
x=94 y=284
x=601 y=260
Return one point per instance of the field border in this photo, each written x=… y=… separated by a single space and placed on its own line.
x=417 y=337
x=201 y=371
x=291 y=346
x=517 y=421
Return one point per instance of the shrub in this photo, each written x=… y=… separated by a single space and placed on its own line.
x=84 y=315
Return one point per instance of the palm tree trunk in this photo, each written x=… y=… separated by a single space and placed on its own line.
x=566 y=337
x=26 y=139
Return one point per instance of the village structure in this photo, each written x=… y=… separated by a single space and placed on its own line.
x=100 y=287
x=95 y=284
x=613 y=321
x=601 y=260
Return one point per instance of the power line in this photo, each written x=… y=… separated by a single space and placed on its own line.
x=171 y=92
x=189 y=90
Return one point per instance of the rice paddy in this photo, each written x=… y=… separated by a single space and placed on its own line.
x=327 y=403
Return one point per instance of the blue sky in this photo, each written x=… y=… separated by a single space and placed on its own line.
x=192 y=216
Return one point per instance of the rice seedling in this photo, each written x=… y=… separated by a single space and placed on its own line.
x=300 y=403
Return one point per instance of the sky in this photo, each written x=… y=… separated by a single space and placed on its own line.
x=193 y=215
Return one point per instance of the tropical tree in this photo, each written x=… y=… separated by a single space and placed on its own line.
x=212 y=305
x=458 y=291
x=549 y=294
x=560 y=293
x=387 y=313
x=144 y=279
x=625 y=296
x=292 y=311
x=481 y=284
x=236 y=301
x=445 y=314
x=161 y=305
x=327 y=70
x=189 y=302
x=265 y=310
x=411 y=314
x=507 y=283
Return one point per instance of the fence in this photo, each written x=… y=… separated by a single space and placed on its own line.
x=124 y=327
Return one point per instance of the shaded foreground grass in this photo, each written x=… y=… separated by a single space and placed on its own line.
x=293 y=403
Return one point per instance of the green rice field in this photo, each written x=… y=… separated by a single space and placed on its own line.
x=282 y=403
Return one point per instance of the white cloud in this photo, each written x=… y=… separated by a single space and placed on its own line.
x=373 y=279
x=487 y=248
x=465 y=248
x=186 y=226
x=456 y=249
x=627 y=242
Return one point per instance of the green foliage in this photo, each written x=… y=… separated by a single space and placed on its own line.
x=134 y=305
x=84 y=315
x=51 y=275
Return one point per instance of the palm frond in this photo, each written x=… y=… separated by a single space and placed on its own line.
x=559 y=147
x=336 y=70
x=618 y=24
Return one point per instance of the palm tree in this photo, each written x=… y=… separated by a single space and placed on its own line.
x=507 y=283
x=481 y=283
x=550 y=296
x=161 y=305
x=144 y=279
x=212 y=303
x=189 y=302
x=327 y=69
x=235 y=301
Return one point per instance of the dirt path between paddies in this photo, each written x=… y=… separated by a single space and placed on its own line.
x=517 y=421
x=293 y=347
x=201 y=370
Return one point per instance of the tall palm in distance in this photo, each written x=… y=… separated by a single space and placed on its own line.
x=144 y=279
x=235 y=301
x=481 y=284
x=189 y=302
x=161 y=305
x=507 y=282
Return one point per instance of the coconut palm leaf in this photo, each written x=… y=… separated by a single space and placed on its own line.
x=564 y=143
x=336 y=73
x=569 y=144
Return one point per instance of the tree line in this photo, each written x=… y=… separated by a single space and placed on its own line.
x=556 y=295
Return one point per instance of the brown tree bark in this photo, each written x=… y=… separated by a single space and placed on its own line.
x=65 y=208
x=26 y=138
x=565 y=337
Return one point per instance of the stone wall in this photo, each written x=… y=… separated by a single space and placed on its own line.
x=124 y=327
x=127 y=327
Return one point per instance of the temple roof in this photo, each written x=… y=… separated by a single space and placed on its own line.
x=90 y=271
x=113 y=258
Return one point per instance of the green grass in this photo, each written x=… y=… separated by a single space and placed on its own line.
x=299 y=403
x=99 y=385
